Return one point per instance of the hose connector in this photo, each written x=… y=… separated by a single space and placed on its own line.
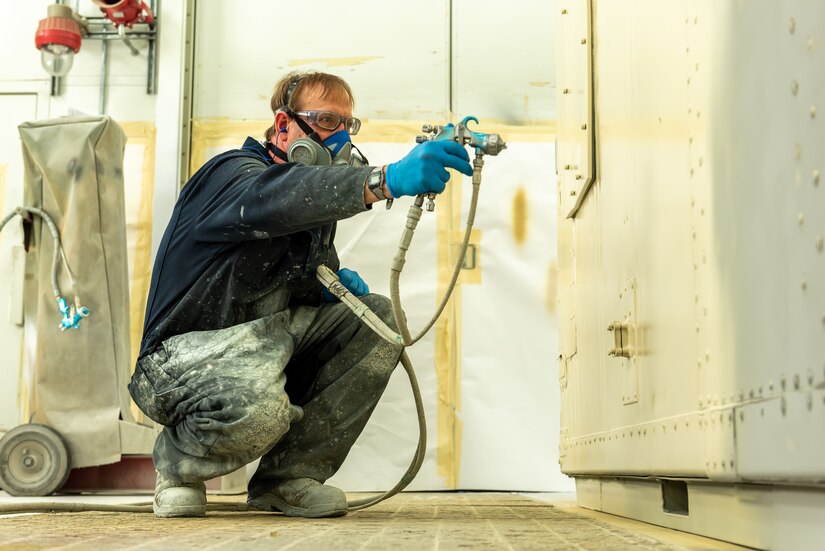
x=72 y=314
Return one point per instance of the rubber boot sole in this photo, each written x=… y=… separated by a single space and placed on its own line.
x=172 y=511
x=274 y=504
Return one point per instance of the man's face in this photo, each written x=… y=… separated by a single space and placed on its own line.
x=311 y=100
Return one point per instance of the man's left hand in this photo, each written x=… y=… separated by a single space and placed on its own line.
x=352 y=281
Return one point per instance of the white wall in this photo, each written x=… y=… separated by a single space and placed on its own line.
x=404 y=60
x=417 y=62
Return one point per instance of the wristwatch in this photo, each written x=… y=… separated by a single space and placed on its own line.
x=375 y=183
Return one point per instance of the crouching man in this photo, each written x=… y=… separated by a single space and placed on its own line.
x=244 y=355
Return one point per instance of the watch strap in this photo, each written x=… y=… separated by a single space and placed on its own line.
x=375 y=183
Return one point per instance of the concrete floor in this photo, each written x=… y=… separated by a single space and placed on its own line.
x=410 y=521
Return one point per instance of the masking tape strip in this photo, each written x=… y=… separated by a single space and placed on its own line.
x=334 y=61
x=448 y=338
x=212 y=132
x=142 y=133
x=447 y=328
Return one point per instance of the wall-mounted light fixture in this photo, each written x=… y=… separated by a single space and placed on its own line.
x=58 y=39
x=126 y=12
x=59 y=36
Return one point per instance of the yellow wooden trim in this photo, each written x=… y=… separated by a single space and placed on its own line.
x=215 y=132
x=142 y=133
x=448 y=338
x=334 y=61
x=211 y=132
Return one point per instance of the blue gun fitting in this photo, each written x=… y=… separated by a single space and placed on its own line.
x=487 y=144
x=71 y=316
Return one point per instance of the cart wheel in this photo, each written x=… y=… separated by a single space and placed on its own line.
x=34 y=461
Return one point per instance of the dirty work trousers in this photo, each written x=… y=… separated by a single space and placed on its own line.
x=224 y=396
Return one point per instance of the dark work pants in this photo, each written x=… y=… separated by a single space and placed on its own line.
x=224 y=396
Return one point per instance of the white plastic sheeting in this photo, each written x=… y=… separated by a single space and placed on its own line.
x=507 y=396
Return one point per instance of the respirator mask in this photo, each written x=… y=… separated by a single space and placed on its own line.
x=337 y=149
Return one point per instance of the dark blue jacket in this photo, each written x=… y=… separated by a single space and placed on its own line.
x=242 y=228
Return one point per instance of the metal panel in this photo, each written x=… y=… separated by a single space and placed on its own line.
x=627 y=269
x=765 y=210
x=574 y=160
x=708 y=198
x=671 y=446
x=777 y=518
x=781 y=439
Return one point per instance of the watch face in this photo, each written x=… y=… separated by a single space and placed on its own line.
x=375 y=183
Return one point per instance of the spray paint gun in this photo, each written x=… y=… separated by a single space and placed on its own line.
x=484 y=144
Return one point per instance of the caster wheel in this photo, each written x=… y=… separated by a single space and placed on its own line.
x=34 y=461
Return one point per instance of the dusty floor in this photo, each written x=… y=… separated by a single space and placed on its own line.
x=442 y=521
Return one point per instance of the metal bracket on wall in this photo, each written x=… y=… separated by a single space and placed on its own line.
x=101 y=28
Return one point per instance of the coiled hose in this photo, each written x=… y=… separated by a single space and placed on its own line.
x=72 y=313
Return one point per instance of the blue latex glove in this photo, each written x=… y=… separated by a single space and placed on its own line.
x=423 y=169
x=352 y=281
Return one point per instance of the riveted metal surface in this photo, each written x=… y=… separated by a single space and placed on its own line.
x=675 y=445
x=709 y=196
x=788 y=428
x=784 y=518
x=574 y=158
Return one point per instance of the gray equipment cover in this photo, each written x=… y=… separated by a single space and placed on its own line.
x=76 y=379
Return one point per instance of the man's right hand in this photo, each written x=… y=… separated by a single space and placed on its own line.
x=423 y=169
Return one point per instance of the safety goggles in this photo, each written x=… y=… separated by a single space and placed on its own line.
x=331 y=121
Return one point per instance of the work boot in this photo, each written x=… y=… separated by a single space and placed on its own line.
x=179 y=499
x=303 y=497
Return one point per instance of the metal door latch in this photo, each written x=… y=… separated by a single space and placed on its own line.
x=621 y=339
